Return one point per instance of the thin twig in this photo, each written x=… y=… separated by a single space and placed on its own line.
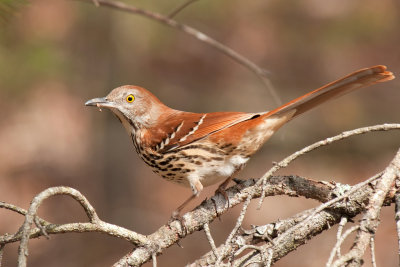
x=372 y=246
x=239 y=222
x=154 y=258
x=270 y=253
x=19 y=211
x=342 y=223
x=206 y=228
x=397 y=219
x=1 y=253
x=40 y=226
x=339 y=242
x=180 y=8
x=26 y=232
x=261 y=73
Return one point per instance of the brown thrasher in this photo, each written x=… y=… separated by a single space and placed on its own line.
x=201 y=149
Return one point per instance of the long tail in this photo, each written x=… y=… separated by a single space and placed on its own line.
x=351 y=82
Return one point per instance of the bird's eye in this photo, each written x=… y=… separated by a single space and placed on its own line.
x=130 y=98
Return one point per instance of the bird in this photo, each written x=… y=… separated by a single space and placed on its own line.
x=201 y=149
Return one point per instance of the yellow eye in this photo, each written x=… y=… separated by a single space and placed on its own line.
x=130 y=98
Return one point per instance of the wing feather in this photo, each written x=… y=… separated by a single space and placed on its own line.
x=182 y=128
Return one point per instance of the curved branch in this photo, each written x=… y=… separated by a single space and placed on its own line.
x=31 y=215
x=49 y=228
x=36 y=202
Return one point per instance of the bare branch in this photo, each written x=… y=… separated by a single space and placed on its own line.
x=322 y=192
x=237 y=194
x=49 y=228
x=293 y=237
x=37 y=201
x=23 y=247
x=261 y=73
x=316 y=221
x=168 y=235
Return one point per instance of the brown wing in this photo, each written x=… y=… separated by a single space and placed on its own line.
x=182 y=128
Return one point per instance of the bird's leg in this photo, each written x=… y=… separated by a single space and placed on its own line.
x=221 y=188
x=197 y=187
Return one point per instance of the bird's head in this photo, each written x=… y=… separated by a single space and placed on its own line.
x=133 y=105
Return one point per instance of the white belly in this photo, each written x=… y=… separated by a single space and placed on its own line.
x=219 y=171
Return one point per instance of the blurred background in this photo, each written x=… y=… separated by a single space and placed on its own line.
x=55 y=55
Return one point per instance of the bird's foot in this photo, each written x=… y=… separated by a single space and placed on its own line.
x=221 y=190
x=175 y=216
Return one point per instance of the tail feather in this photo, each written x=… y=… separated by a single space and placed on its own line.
x=349 y=83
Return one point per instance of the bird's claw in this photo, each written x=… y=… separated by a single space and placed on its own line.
x=222 y=191
x=177 y=217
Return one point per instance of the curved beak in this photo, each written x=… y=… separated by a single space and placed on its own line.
x=99 y=102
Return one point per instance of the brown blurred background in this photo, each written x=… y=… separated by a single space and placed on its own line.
x=55 y=55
